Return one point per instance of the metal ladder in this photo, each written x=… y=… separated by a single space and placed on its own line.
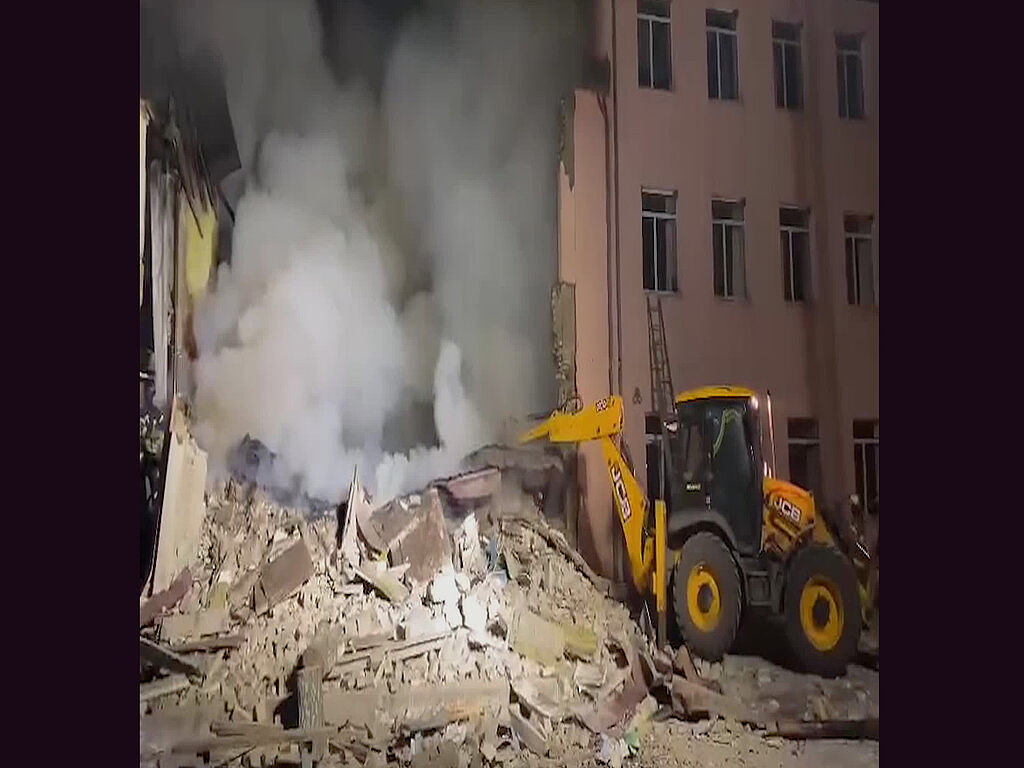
x=663 y=401
x=661 y=370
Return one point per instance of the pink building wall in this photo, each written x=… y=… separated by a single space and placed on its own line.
x=819 y=360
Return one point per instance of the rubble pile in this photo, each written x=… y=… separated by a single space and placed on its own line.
x=443 y=624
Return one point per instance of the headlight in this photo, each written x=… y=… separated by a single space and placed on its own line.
x=753 y=402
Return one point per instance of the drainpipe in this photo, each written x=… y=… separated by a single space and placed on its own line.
x=603 y=104
x=615 y=144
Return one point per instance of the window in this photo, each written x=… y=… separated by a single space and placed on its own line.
x=727 y=242
x=788 y=76
x=794 y=238
x=723 y=73
x=865 y=459
x=659 y=241
x=860 y=263
x=653 y=44
x=805 y=454
x=850 y=74
x=658 y=486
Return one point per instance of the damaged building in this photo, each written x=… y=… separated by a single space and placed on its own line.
x=441 y=595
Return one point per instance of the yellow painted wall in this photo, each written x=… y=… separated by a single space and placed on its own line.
x=200 y=241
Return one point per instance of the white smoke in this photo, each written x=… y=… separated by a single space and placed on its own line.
x=383 y=253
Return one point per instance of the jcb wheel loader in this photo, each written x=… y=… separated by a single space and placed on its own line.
x=735 y=537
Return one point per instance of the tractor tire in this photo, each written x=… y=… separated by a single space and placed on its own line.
x=706 y=596
x=821 y=608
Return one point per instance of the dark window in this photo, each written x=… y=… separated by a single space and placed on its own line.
x=805 y=454
x=658 y=227
x=865 y=459
x=658 y=485
x=860 y=263
x=654 y=46
x=794 y=240
x=850 y=76
x=723 y=70
x=727 y=248
x=788 y=74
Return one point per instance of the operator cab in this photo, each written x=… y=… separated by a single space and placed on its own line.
x=716 y=460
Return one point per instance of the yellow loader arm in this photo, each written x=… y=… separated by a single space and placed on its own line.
x=602 y=421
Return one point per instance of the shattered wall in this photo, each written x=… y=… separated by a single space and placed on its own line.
x=387 y=301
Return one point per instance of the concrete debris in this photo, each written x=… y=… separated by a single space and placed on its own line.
x=422 y=639
x=358 y=506
x=183 y=509
x=164 y=658
x=528 y=734
x=165 y=600
x=383 y=580
x=474 y=614
x=277 y=580
x=612 y=751
x=536 y=638
x=424 y=544
x=473 y=488
x=179 y=627
x=162 y=687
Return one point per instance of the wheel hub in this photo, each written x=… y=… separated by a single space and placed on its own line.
x=703 y=598
x=821 y=613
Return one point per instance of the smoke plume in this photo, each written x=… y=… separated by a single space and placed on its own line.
x=387 y=300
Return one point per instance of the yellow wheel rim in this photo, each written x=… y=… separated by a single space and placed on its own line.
x=821 y=613
x=702 y=598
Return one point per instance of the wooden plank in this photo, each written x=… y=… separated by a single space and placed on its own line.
x=162 y=687
x=166 y=659
x=257 y=738
x=209 y=644
x=862 y=730
x=310 y=698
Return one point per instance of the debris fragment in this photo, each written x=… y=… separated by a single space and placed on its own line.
x=536 y=638
x=164 y=658
x=162 y=687
x=185 y=626
x=423 y=544
x=183 y=509
x=528 y=733
x=278 y=579
x=167 y=599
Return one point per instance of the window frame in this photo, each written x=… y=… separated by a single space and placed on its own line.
x=860 y=445
x=726 y=224
x=805 y=441
x=843 y=55
x=850 y=239
x=645 y=214
x=651 y=19
x=790 y=229
x=712 y=28
x=798 y=44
